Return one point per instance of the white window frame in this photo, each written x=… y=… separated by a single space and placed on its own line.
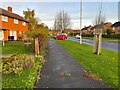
x=23 y=23
x=4 y=18
x=16 y=21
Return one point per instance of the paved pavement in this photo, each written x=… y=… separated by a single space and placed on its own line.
x=58 y=61
x=105 y=44
x=5 y=55
x=9 y=55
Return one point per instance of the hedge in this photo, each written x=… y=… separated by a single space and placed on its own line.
x=112 y=36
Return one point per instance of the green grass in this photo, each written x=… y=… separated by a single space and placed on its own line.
x=25 y=80
x=15 y=47
x=105 y=66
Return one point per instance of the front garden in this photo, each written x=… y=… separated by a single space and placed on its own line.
x=21 y=71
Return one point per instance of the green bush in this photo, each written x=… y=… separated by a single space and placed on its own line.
x=16 y=64
x=39 y=58
x=87 y=35
x=112 y=36
x=70 y=34
x=109 y=30
x=27 y=79
x=73 y=34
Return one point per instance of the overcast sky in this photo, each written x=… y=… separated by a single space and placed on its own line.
x=46 y=11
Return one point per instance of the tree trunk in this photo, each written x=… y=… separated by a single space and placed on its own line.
x=37 y=51
x=97 y=44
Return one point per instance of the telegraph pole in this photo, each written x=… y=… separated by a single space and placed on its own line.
x=80 y=22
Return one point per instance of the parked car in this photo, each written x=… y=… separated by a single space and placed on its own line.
x=60 y=37
x=77 y=36
x=65 y=34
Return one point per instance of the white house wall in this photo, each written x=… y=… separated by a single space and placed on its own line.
x=1 y=35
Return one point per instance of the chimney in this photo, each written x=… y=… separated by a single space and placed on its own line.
x=10 y=9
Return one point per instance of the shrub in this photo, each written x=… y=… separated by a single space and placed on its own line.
x=70 y=34
x=27 y=79
x=16 y=64
x=87 y=35
x=109 y=31
x=39 y=58
x=112 y=36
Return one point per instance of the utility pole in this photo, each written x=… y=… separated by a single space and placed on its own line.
x=80 y=22
x=55 y=24
x=62 y=20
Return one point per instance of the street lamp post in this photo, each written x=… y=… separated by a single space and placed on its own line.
x=80 y=22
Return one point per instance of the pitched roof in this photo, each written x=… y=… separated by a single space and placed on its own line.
x=107 y=24
x=85 y=28
x=12 y=15
x=116 y=24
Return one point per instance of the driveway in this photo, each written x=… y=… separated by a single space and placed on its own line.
x=58 y=61
x=105 y=44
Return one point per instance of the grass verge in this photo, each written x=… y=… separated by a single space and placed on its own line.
x=105 y=66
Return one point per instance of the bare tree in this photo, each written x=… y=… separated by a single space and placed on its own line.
x=55 y=24
x=99 y=20
x=62 y=21
x=100 y=17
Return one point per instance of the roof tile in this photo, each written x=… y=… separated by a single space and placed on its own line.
x=12 y=15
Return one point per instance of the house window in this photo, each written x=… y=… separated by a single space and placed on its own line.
x=5 y=18
x=23 y=23
x=16 y=21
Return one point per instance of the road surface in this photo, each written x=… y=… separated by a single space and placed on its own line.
x=105 y=44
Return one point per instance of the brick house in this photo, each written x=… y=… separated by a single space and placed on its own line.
x=12 y=26
x=116 y=28
x=87 y=30
x=101 y=28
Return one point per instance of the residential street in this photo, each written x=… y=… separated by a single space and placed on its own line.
x=105 y=44
x=58 y=61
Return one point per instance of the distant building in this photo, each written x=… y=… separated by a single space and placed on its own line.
x=13 y=26
x=101 y=28
x=116 y=27
x=87 y=30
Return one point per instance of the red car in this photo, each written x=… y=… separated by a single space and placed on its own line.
x=60 y=37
